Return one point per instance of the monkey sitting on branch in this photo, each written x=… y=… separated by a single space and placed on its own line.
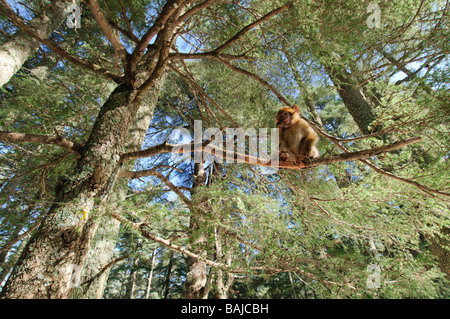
x=297 y=138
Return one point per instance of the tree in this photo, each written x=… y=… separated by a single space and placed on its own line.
x=376 y=198
x=16 y=50
x=88 y=187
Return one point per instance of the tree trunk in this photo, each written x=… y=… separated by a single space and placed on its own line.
x=168 y=274
x=150 y=275
x=196 y=276
x=53 y=259
x=223 y=287
x=14 y=52
x=50 y=264
x=439 y=245
x=103 y=244
x=353 y=97
x=131 y=286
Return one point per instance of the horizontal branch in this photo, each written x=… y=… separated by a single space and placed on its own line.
x=149 y=152
x=351 y=156
x=39 y=139
x=298 y=164
x=208 y=55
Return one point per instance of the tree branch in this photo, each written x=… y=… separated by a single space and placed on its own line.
x=164 y=179
x=298 y=164
x=257 y=78
x=202 y=92
x=359 y=155
x=196 y=9
x=106 y=28
x=55 y=48
x=147 y=234
x=247 y=28
x=39 y=139
x=169 y=8
x=208 y=55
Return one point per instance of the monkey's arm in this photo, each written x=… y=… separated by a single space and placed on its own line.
x=308 y=145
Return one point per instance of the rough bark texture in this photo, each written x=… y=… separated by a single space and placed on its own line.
x=355 y=101
x=439 y=245
x=103 y=244
x=196 y=276
x=16 y=51
x=50 y=264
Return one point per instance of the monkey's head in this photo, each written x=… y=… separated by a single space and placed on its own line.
x=288 y=116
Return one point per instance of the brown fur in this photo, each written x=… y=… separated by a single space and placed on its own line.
x=297 y=137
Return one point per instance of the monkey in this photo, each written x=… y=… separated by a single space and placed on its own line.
x=297 y=137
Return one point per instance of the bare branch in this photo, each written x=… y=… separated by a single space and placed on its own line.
x=359 y=155
x=247 y=28
x=169 y=8
x=298 y=164
x=257 y=78
x=106 y=28
x=39 y=139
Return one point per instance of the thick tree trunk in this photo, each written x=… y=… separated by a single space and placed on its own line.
x=51 y=263
x=103 y=244
x=353 y=97
x=196 y=277
x=439 y=245
x=17 y=50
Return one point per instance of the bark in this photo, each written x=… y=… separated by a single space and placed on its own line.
x=198 y=281
x=150 y=275
x=21 y=46
x=223 y=287
x=131 y=286
x=354 y=99
x=196 y=277
x=439 y=245
x=103 y=244
x=64 y=236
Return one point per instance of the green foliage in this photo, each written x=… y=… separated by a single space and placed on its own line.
x=310 y=233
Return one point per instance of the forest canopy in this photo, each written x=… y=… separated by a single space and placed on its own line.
x=114 y=114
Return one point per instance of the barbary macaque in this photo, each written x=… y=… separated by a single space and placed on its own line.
x=297 y=138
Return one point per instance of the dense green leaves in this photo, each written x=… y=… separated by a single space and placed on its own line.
x=315 y=233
